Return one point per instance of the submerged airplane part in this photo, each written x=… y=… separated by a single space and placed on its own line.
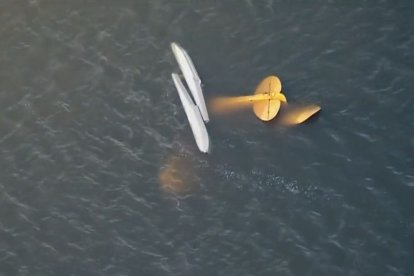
x=194 y=116
x=178 y=176
x=191 y=77
x=299 y=114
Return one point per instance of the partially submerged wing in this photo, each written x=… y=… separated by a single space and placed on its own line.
x=191 y=77
x=298 y=114
x=194 y=116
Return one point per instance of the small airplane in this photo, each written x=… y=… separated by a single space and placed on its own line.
x=196 y=110
x=266 y=100
x=266 y=103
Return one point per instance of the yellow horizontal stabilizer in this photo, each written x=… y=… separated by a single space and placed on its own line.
x=267 y=110
x=266 y=100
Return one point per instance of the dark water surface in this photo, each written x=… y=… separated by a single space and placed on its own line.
x=90 y=124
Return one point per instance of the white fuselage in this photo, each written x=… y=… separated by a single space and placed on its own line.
x=191 y=77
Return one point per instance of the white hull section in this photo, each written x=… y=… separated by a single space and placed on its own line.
x=191 y=77
x=194 y=116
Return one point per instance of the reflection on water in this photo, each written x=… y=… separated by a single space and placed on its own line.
x=178 y=176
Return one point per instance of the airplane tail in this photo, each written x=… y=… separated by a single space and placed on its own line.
x=222 y=105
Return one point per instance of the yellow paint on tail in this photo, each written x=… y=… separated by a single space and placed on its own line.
x=266 y=103
x=267 y=110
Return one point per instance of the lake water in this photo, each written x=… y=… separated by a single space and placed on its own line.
x=100 y=174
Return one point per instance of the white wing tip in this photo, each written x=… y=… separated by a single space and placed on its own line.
x=204 y=148
x=174 y=46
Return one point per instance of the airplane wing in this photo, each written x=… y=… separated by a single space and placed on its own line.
x=191 y=77
x=194 y=116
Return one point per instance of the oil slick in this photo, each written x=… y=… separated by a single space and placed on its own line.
x=266 y=103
